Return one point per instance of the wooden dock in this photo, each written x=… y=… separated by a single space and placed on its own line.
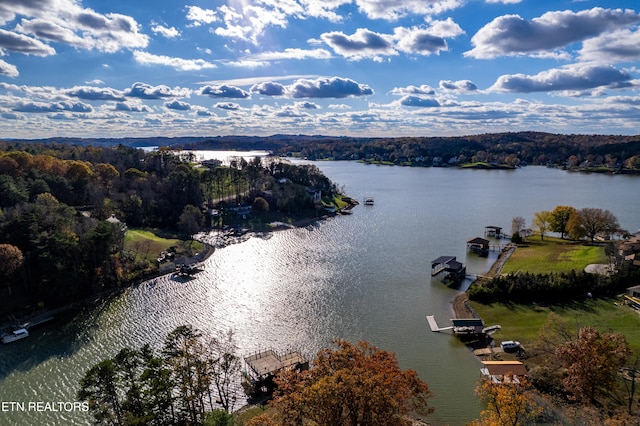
x=434 y=325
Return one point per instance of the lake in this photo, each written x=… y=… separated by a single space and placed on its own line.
x=365 y=276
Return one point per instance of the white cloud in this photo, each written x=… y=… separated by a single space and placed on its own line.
x=66 y=21
x=8 y=69
x=292 y=53
x=395 y=9
x=201 y=16
x=170 y=32
x=362 y=44
x=179 y=64
x=424 y=89
x=570 y=78
x=512 y=35
x=147 y=91
x=617 y=46
x=20 y=43
x=460 y=86
x=334 y=87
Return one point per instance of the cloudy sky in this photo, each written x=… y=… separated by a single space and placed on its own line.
x=125 y=68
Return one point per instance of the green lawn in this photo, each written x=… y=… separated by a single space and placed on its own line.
x=552 y=255
x=522 y=322
x=147 y=244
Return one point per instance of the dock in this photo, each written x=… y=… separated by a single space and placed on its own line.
x=269 y=362
x=434 y=325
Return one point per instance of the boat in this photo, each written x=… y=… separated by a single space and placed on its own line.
x=18 y=334
x=368 y=201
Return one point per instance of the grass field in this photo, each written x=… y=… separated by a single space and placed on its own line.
x=523 y=322
x=552 y=255
x=147 y=244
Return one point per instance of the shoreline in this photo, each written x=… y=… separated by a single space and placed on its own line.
x=460 y=302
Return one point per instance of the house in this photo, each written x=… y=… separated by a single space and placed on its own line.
x=503 y=371
x=633 y=259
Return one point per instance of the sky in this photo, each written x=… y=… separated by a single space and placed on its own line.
x=370 y=68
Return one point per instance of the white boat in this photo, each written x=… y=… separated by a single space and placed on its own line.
x=368 y=201
x=18 y=334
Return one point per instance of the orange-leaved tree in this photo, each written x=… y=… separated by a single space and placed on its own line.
x=510 y=403
x=592 y=362
x=355 y=384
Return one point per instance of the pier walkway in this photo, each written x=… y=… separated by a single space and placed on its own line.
x=434 y=325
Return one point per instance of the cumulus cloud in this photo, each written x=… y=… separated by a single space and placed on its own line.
x=66 y=21
x=423 y=89
x=576 y=77
x=228 y=106
x=334 y=87
x=461 y=86
x=224 y=91
x=251 y=21
x=419 y=41
x=8 y=69
x=47 y=107
x=418 y=101
x=512 y=35
x=23 y=44
x=395 y=9
x=170 y=32
x=268 y=88
x=146 y=91
x=129 y=106
x=178 y=105
x=362 y=44
x=199 y=16
x=306 y=105
x=179 y=64
x=617 y=46
x=95 y=93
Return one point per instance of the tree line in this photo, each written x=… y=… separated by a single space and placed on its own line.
x=610 y=152
x=56 y=244
x=191 y=378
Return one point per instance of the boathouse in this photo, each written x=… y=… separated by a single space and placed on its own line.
x=493 y=231
x=468 y=326
x=478 y=245
x=455 y=271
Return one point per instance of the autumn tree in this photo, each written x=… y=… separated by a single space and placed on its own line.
x=542 y=221
x=589 y=222
x=510 y=403
x=560 y=219
x=592 y=362
x=10 y=260
x=353 y=384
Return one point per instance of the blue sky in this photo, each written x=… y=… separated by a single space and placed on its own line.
x=123 y=68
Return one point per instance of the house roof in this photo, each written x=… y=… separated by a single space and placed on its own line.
x=503 y=368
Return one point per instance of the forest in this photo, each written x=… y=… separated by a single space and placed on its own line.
x=56 y=244
x=599 y=153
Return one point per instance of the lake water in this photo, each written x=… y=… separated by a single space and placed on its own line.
x=360 y=277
